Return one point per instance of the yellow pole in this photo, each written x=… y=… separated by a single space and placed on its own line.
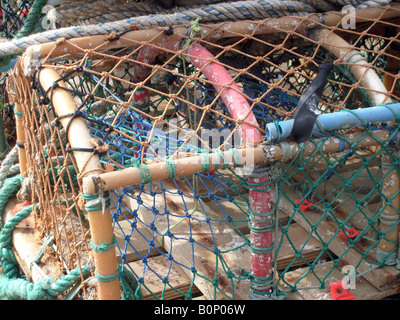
x=249 y=156
x=20 y=138
x=100 y=221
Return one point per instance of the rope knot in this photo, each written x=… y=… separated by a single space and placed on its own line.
x=100 y=147
x=112 y=36
x=60 y=41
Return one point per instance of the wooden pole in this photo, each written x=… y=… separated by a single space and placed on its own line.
x=20 y=139
x=159 y=171
x=361 y=69
x=262 y=154
x=288 y=150
x=100 y=222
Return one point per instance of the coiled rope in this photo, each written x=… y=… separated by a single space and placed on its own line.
x=12 y=286
x=219 y=12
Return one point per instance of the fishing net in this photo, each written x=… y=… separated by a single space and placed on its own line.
x=152 y=100
x=13 y=15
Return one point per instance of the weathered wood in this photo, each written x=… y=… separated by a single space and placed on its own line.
x=139 y=239
x=27 y=243
x=237 y=210
x=158 y=267
x=305 y=279
x=381 y=278
x=239 y=259
x=200 y=253
x=311 y=248
x=206 y=235
x=206 y=185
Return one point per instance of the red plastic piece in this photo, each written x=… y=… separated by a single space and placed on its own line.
x=305 y=206
x=340 y=293
x=19 y=206
x=351 y=233
x=25 y=12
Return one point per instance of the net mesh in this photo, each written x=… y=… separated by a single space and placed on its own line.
x=151 y=102
x=13 y=15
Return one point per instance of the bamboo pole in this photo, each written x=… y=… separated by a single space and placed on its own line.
x=331 y=145
x=361 y=69
x=159 y=171
x=100 y=222
x=20 y=139
x=212 y=31
x=249 y=156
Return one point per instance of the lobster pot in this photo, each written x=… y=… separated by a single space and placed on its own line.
x=161 y=134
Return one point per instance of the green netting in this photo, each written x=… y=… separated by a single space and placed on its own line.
x=342 y=201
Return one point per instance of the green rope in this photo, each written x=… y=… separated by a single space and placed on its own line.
x=8 y=261
x=130 y=286
x=96 y=202
x=9 y=190
x=205 y=162
x=15 y=288
x=146 y=176
x=171 y=168
x=11 y=287
x=217 y=158
x=104 y=246
x=109 y=278
x=235 y=157
x=48 y=241
x=32 y=19
x=222 y=157
x=45 y=289
x=10 y=267
x=194 y=31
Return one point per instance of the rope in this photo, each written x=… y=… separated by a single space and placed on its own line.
x=11 y=287
x=46 y=289
x=9 y=189
x=7 y=163
x=232 y=11
x=87 y=14
x=9 y=263
x=32 y=19
x=106 y=11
